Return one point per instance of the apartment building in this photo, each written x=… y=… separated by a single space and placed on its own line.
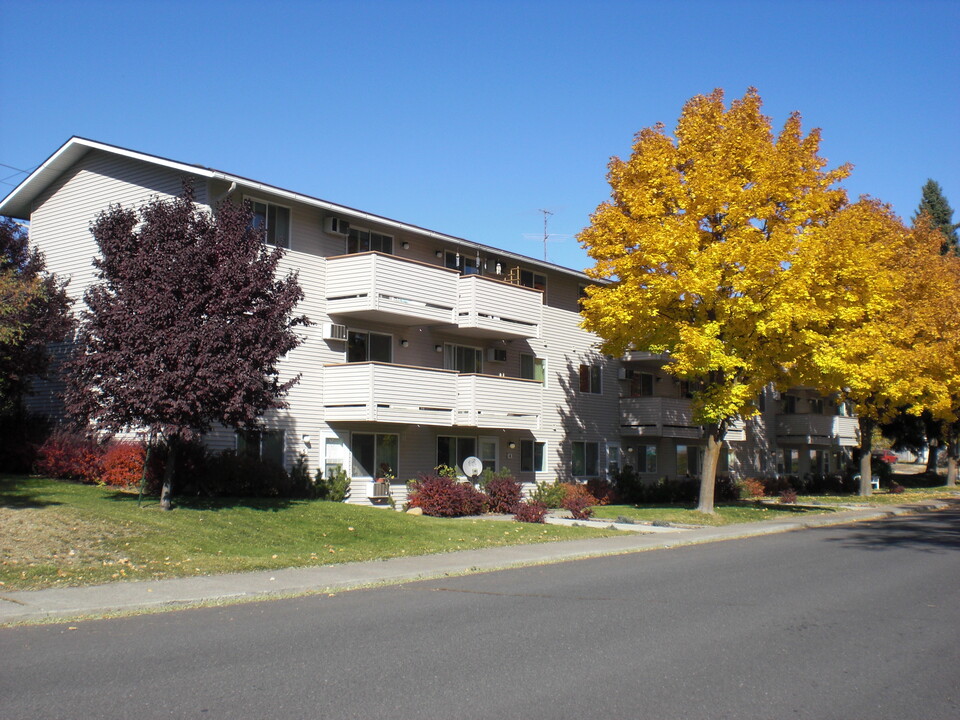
x=426 y=348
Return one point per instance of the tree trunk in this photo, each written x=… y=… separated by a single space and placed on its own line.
x=708 y=473
x=933 y=451
x=166 y=495
x=146 y=469
x=953 y=460
x=866 y=445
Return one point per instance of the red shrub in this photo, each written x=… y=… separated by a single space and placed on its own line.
x=122 y=464
x=532 y=511
x=503 y=494
x=788 y=496
x=578 y=501
x=751 y=487
x=603 y=490
x=70 y=456
x=445 y=497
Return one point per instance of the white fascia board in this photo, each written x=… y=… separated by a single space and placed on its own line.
x=18 y=203
x=353 y=214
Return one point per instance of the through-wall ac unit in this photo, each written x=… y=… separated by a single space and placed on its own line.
x=332 y=331
x=496 y=354
x=336 y=226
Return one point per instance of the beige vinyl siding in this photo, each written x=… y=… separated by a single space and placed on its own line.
x=61 y=217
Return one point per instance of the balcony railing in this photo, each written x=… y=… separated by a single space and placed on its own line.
x=489 y=401
x=491 y=308
x=815 y=429
x=403 y=394
x=378 y=392
x=391 y=289
x=667 y=417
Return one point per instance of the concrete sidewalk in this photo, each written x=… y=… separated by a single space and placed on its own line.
x=129 y=597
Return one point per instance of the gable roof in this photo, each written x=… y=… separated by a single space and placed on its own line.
x=18 y=203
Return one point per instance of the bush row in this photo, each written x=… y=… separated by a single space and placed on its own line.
x=200 y=472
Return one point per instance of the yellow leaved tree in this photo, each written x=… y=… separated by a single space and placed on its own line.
x=896 y=345
x=875 y=333
x=699 y=243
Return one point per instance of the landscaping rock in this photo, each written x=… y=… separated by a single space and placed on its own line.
x=415 y=511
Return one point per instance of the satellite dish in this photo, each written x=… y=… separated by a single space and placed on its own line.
x=472 y=466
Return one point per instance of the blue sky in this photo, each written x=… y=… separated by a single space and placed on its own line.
x=470 y=117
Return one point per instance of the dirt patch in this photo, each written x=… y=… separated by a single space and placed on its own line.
x=33 y=537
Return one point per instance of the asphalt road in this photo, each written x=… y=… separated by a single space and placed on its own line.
x=844 y=622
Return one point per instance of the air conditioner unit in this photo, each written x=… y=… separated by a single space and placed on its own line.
x=336 y=226
x=332 y=331
x=497 y=354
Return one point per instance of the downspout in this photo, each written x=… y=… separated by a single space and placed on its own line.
x=224 y=195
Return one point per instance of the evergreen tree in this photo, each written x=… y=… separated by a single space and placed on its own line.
x=935 y=205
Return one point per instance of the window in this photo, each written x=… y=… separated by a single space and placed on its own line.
x=647 y=458
x=375 y=455
x=369 y=347
x=452 y=451
x=688 y=459
x=359 y=241
x=789 y=404
x=819 y=462
x=274 y=220
x=333 y=456
x=462 y=358
x=613 y=459
x=531 y=279
x=581 y=296
x=816 y=406
x=264 y=445
x=466 y=265
x=532 y=456
x=590 y=379
x=533 y=368
x=789 y=461
x=641 y=385
x=586 y=459
x=688 y=388
x=488 y=453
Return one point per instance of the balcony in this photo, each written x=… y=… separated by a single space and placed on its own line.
x=383 y=288
x=494 y=309
x=489 y=401
x=815 y=429
x=387 y=289
x=666 y=417
x=402 y=394
x=382 y=393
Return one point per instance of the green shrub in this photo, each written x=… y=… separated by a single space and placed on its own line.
x=550 y=494
x=335 y=488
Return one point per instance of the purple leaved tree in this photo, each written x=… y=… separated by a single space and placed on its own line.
x=185 y=327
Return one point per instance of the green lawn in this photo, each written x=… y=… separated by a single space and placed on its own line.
x=57 y=534
x=727 y=514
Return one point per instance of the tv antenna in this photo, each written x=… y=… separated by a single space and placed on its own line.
x=546 y=213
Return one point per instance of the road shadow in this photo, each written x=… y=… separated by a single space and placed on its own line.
x=930 y=531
